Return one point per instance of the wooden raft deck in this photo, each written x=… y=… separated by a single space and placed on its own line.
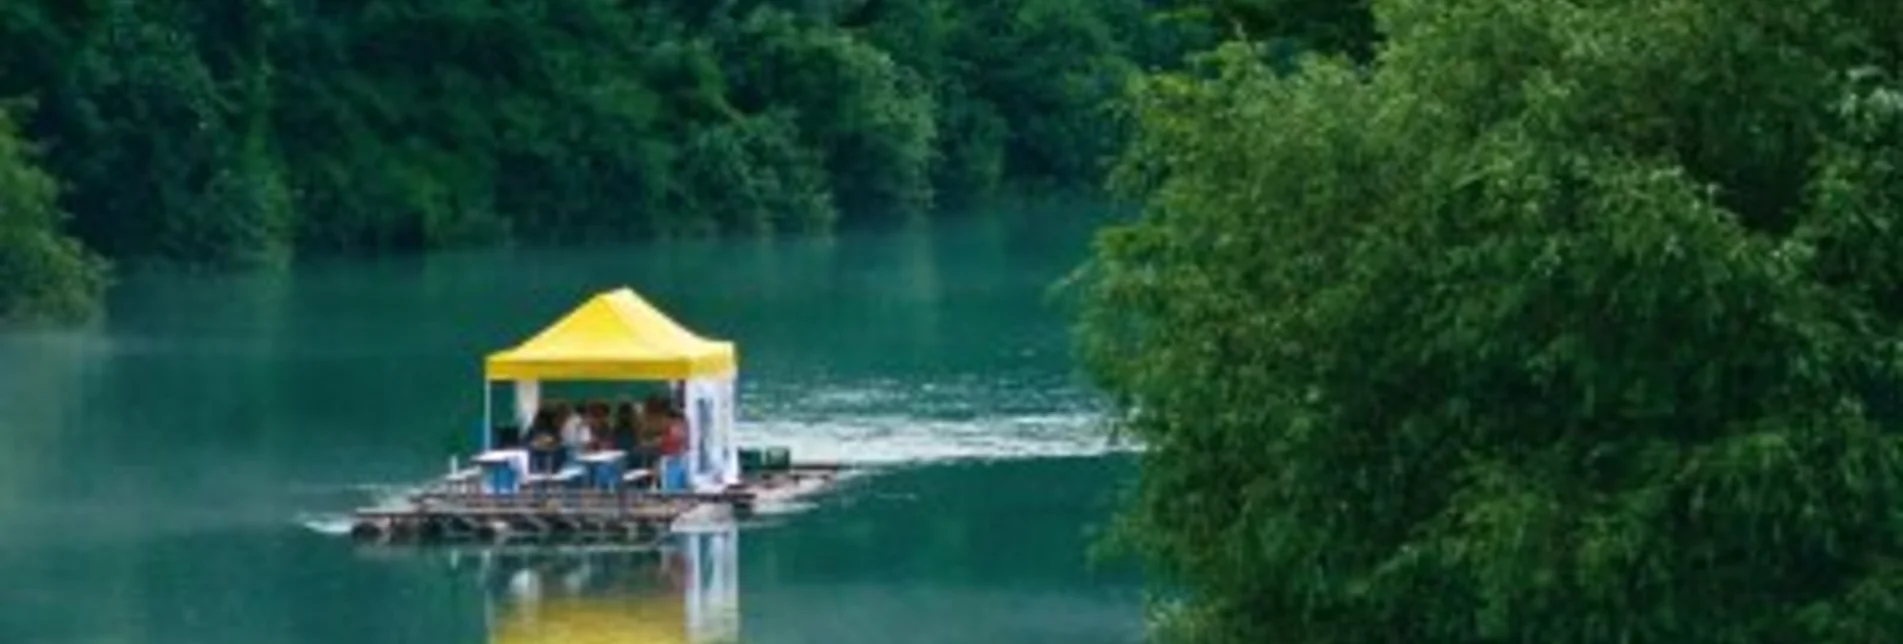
x=456 y=510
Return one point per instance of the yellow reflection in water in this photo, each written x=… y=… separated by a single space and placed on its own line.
x=604 y=620
x=686 y=592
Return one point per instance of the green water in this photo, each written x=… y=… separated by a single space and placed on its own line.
x=175 y=473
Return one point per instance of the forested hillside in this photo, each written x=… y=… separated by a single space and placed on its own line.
x=241 y=132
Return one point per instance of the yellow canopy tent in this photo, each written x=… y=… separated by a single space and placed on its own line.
x=615 y=335
x=618 y=336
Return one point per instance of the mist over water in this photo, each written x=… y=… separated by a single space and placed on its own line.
x=179 y=471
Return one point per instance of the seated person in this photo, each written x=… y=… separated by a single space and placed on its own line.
x=573 y=429
x=625 y=435
x=544 y=443
x=650 y=433
x=599 y=426
x=673 y=447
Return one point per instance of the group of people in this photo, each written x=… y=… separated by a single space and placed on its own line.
x=562 y=432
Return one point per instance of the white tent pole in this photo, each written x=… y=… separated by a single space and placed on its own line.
x=488 y=415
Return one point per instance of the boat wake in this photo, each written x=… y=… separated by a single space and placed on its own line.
x=330 y=525
x=905 y=440
x=891 y=422
x=382 y=496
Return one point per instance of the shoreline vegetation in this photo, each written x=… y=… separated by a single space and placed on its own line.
x=1444 y=321
x=1548 y=322
x=240 y=134
x=43 y=273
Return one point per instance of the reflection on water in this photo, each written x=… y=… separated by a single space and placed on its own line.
x=685 y=590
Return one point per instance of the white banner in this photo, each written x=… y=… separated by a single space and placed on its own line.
x=528 y=398
x=713 y=458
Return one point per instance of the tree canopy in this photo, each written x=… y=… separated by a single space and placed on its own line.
x=1333 y=26
x=235 y=133
x=1556 y=321
x=47 y=276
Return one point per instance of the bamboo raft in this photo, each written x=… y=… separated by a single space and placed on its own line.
x=457 y=509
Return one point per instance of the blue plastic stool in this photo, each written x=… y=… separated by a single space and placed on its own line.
x=673 y=474
x=604 y=476
x=500 y=477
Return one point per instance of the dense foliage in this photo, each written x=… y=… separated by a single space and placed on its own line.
x=1558 y=321
x=48 y=276
x=1333 y=26
x=240 y=132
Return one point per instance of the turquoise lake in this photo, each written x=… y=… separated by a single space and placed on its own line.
x=178 y=471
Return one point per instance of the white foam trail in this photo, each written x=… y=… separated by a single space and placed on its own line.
x=704 y=518
x=330 y=525
x=382 y=496
x=799 y=497
x=897 y=422
x=393 y=497
x=899 y=439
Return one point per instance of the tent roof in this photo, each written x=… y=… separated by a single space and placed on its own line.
x=615 y=335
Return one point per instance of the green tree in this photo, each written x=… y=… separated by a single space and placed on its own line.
x=1052 y=67
x=44 y=275
x=1560 y=322
x=1021 y=88
x=754 y=176
x=237 y=133
x=1333 y=26
x=141 y=132
x=870 y=118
